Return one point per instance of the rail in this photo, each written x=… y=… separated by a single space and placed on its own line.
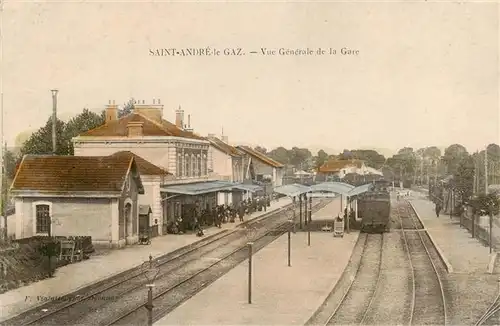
x=376 y=284
x=490 y=312
x=70 y=300
x=353 y=280
x=412 y=307
x=274 y=234
x=441 y=288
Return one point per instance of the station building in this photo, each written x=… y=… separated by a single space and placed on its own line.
x=189 y=186
x=261 y=169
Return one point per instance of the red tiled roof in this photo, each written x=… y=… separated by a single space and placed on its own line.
x=337 y=165
x=73 y=174
x=118 y=128
x=145 y=167
x=261 y=157
x=224 y=147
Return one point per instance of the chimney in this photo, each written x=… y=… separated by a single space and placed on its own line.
x=225 y=139
x=211 y=136
x=54 y=120
x=189 y=124
x=179 y=118
x=151 y=111
x=111 y=112
x=134 y=128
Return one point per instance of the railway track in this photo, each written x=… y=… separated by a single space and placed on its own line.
x=126 y=293
x=188 y=287
x=355 y=305
x=428 y=306
x=492 y=315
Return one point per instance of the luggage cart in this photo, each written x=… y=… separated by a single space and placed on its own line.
x=338 y=228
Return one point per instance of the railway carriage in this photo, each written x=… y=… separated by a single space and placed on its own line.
x=374 y=208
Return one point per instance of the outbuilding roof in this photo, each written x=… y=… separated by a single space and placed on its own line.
x=74 y=174
x=261 y=157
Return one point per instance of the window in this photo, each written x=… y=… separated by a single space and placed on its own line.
x=193 y=165
x=204 y=165
x=42 y=218
x=199 y=165
x=179 y=165
x=196 y=166
x=186 y=165
x=236 y=172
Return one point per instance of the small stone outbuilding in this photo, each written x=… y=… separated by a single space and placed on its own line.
x=93 y=196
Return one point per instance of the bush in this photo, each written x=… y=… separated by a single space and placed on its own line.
x=485 y=204
x=26 y=260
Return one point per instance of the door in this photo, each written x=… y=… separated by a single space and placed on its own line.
x=143 y=224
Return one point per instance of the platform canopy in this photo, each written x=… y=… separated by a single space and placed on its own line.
x=359 y=190
x=198 y=188
x=322 y=195
x=336 y=187
x=292 y=190
x=247 y=187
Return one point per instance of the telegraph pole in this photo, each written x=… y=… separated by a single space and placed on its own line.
x=2 y=162
x=474 y=186
x=486 y=170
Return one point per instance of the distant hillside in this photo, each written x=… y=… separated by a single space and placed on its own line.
x=330 y=151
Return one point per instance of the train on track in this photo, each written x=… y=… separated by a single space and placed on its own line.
x=374 y=208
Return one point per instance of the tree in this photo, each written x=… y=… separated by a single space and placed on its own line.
x=10 y=160
x=40 y=142
x=493 y=163
x=420 y=161
x=300 y=158
x=395 y=163
x=84 y=121
x=452 y=156
x=403 y=163
x=346 y=155
x=321 y=158
x=432 y=152
x=370 y=157
x=464 y=177
x=261 y=149
x=127 y=108
x=279 y=154
x=486 y=204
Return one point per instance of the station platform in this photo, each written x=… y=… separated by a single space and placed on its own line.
x=103 y=265
x=460 y=252
x=281 y=295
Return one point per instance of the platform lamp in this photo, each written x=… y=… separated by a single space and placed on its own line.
x=151 y=271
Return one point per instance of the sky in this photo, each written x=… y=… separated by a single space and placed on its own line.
x=426 y=72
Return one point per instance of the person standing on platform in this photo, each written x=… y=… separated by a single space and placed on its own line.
x=438 y=208
x=241 y=211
